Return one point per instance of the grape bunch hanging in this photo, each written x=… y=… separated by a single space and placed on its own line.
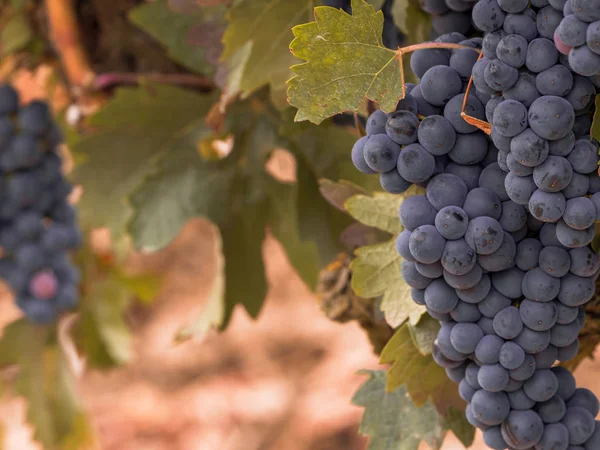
x=498 y=248
x=38 y=225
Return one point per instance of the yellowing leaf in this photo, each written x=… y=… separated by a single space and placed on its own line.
x=398 y=306
x=424 y=333
x=375 y=269
x=380 y=210
x=346 y=63
x=595 y=130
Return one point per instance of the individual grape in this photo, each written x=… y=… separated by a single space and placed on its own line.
x=572 y=31
x=416 y=211
x=557 y=80
x=586 y=10
x=512 y=50
x=493 y=303
x=412 y=277
x=487 y=350
x=469 y=148
x=30 y=257
x=43 y=285
x=9 y=100
x=451 y=222
x=418 y=296
x=493 y=438
x=572 y=238
x=490 y=107
x=519 y=189
x=501 y=142
x=442 y=360
x=484 y=235
x=408 y=104
x=525 y=370
x=482 y=202
x=469 y=174
x=39 y=311
x=439 y=84
x=555 y=261
x=493 y=378
x=465 y=281
x=477 y=293
x=584 y=157
x=490 y=43
x=445 y=344
x=522 y=429
x=425 y=108
x=465 y=391
x=511 y=356
x=415 y=164
x=393 y=182
x=426 y=244
x=551 y=117
x=533 y=341
x=583 y=61
x=541 y=55
x=401 y=127
x=423 y=60
x=538 y=316
x=508 y=282
x=528 y=251
x=458 y=258
x=584 y=261
x=529 y=149
x=501 y=158
x=402 y=246
x=514 y=216
x=547 y=206
x=501 y=259
x=564 y=335
x=539 y=286
x=434 y=270
x=381 y=153
x=553 y=410
x=465 y=337
x=555 y=436
x=490 y=408
x=523 y=91
x=465 y=312
x=358 y=156
x=575 y=291
x=440 y=297
x=488 y=16
x=58 y=237
x=454 y=108
x=578 y=187
x=547 y=357
x=566 y=314
x=436 y=134
x=521 y=24
x=580 y=424
x=579 y=213
x=541 y=386
x=462 y=61
x=446 y=190
x=376 y=122
x=593 y=37
x=553 y=175
x=581 y=96
x=547 y=21
x=507 y=323
x=456 y=374
x=583 y=398
x=500 y=76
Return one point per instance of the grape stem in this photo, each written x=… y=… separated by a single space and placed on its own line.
x=428 y=45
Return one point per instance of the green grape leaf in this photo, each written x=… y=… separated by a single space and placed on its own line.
x=346 y=63
x=423 y=333
x=267 y=25
x=132 y=129
x=44 y=380
x=392 y=421
x=398 y=306
x=193 y=38
x=595 y=129
x=423 y=378
x=15 y=33
x=379 y=211
x=375 y=269
x=337 y=192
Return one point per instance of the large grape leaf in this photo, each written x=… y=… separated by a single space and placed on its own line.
x=44 y=380
x=266 y=24
x=346 y=63
x=393 y=422
x=193 y=37
x=423 y=378
x=132 y=129
x=379 y=210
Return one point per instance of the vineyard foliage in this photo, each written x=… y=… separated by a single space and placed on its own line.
x=244 y=82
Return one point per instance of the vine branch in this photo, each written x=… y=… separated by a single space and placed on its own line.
x=64 y=32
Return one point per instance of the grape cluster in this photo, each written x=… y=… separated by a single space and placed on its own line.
x=578 y=35
x=497 y=249
x=38 y=226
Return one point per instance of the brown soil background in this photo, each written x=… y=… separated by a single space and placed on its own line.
x=283 y=382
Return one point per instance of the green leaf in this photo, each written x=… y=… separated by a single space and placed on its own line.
x=336 y=193
x=398 y=306
x=15 y=34
x=423 y=378
x=267 y=25
x=135 y=127
x=392 y=421
x=44 y=380
x=375 y=269
x=595 y=130
x=380 y=211
x=456 y=422
x=424 y=333
x=346 y=63
x=193 y=39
